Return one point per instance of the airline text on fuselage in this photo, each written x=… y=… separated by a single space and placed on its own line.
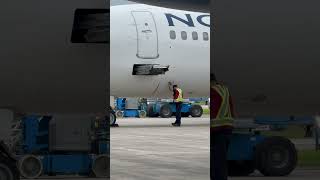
x=187 y=20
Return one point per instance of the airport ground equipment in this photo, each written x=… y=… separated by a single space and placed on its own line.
x=166 y=109
x=64 y=144
x=272 y=156
x=131 y=107
x=111 y=116
x=198 y=100
x=9 y=136
x=8 y=168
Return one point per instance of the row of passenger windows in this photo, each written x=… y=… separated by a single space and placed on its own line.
x=184 y=35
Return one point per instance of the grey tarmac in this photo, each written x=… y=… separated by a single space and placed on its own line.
x=151 y=149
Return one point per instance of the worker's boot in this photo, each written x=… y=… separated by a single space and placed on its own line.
x=175 y=124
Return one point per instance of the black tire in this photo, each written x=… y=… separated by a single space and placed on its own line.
x=119 y=114
x=196 y=110
x=112 y=118
x=240 y=168
x=185 y=114
x=151 y=112
x=142 y=114
x=8 y=170
x=276 y=156
x=30 y=166
x=165 y=111
x=101 y=166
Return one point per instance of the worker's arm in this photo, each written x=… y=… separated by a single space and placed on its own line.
x=215 y=103
x=170 y=86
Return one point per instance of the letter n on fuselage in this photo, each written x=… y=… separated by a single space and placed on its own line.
x=188 y=21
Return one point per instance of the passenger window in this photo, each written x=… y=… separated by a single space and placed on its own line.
x=183 y=35
x=172 y=35
x=205 y=36
x=194 y=35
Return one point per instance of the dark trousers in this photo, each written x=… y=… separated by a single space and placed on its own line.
x=219 y=143
x=178 y=112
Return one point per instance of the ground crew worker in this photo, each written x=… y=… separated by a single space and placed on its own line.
x=221 y=125
x=178 y=99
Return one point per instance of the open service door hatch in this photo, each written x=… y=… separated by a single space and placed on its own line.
x=147 y=36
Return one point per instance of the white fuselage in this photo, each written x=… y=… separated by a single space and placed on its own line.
x=142 y=34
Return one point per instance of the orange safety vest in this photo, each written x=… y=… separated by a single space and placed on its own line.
x=224 y=115
x=180 y=97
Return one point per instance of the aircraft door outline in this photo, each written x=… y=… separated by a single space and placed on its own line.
x=147 y=35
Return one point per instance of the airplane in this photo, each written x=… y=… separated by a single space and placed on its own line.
x=258 y=52
x=153 y=48
x=190 y=5
x=267 y=55
x=54 y=56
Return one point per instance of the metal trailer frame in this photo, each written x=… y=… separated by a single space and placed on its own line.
x=121 y=106
x=266 y=123
x=185 y=109
x=247 y=138
x=36 y=144
x=67 y=164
